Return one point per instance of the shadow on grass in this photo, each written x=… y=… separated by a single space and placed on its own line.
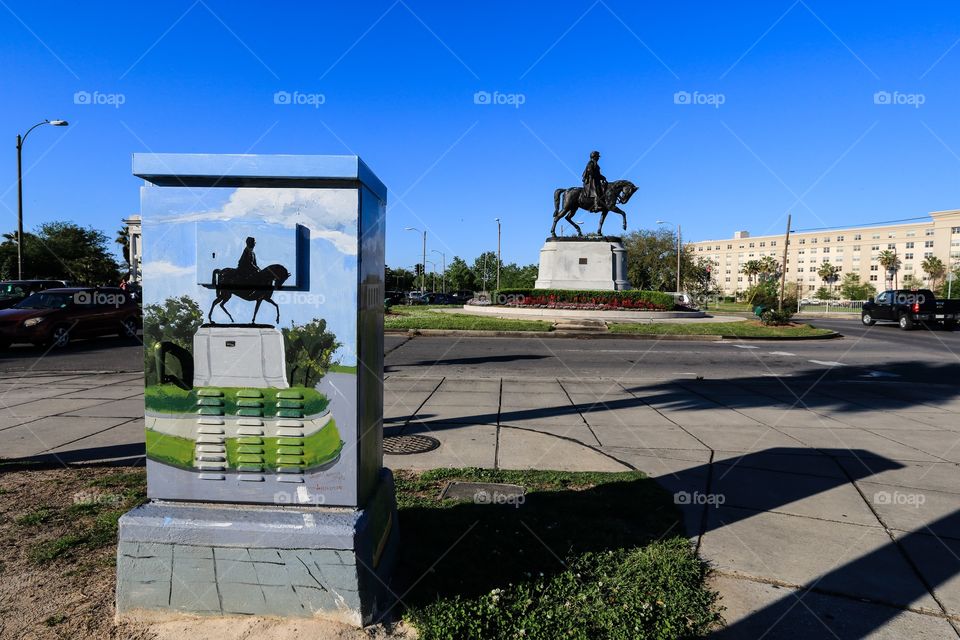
x=451 y=548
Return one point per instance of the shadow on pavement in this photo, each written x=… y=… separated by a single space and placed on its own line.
x=131 y=454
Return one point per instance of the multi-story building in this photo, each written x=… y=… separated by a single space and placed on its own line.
x=853 y=250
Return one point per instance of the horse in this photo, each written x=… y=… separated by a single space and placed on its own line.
x=617 y=192
x=258 y=286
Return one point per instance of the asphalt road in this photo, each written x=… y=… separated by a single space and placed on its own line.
x=864 y=353
x=882 y=351
x=98 y=354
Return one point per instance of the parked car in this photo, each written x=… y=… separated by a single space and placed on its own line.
x=394 y=297
x=56 y=316
x=462 y=297
x=415 y=297
x=907 y=307
x=13 y=291
x=439 y=298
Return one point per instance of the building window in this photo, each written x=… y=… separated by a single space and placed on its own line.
x=874 y=247
x=954 y=229
x=826 y=249
x=763 y=244
x=908 y=267
x=873 y=267
x=803 y=241
x=909 y=245
x=813 y=241
x=839 y=238
x=891 y=246
x=875 y=236
x=773 y=243
x=856 y=247
x=857 y=236
x=729 y=246
x=928 y=254
x=908 y=256
x=873 y=278
x=928 y=244
x=928 y=232
x=911 y=234
x=826 y=239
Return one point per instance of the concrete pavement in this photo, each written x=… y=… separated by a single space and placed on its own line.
x=820 y=479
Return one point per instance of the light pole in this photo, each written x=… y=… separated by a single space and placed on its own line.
x=433 y=265
x=20 y=141
x=498 y=253
x=443 y=273
x=678 y=250
x=423 y=278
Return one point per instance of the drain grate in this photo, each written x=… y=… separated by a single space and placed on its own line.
x=406 y=445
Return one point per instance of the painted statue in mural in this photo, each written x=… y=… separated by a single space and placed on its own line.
x=248 y=281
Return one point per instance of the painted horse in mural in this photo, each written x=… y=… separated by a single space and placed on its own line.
x=566 y=202
x=256 y=287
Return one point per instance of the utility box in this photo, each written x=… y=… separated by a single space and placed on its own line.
x=263 y=332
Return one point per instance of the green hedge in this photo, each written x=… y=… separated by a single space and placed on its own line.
x=633 y=299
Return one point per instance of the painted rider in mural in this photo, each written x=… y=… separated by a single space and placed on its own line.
x=247 y=265
x=594 y=183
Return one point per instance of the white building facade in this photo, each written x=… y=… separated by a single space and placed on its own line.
x=852 y=250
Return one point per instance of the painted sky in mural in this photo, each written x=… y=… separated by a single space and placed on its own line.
x=181 y=215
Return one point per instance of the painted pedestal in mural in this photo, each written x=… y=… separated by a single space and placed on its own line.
x=263 y=333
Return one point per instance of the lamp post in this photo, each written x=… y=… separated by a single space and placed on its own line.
x=423 y=277
x=498 y=253
x=20 y=141
x=678 y=249
x=433 y=265
x=443 y=272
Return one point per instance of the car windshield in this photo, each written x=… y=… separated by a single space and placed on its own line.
x=45 y=301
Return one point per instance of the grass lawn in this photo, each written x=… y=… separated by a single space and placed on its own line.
x=586 y=556
x=589 y=556
x=744 y=329
x=420 y=317
x=169 y=398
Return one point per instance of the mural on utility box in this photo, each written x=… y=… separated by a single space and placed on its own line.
x=256 y=411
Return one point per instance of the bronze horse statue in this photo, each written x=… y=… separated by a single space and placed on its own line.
x=258 y=286
x=566 y=202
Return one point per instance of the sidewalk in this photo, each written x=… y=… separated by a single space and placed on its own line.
x=838 y=514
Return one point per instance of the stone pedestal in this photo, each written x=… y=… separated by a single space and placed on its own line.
x=239 y=356
x=583 y=263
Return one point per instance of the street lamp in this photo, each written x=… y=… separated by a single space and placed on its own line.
x=443 y=279
x=20 y=141
x=433 y=265
x=498 y=253
x=678 y=250
x=423 y=278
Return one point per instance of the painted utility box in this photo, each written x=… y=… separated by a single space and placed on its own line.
x=263 y=335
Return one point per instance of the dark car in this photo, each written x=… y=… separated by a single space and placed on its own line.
x=394 y=297
x=55 y=316
x=461 y=297
x=909 y=307
x=13 y=291
x=440 y=298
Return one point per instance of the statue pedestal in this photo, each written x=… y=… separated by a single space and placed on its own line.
x=583 y=263
x=239 y=356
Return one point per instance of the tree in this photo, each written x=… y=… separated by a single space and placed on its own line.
x=823 y=294
x=513 y=276
x=399 y=279
x=308 y=348
x=829 y=273
x=459 y=276
x=63 y=251
x=652 y=259
x=890 y=261
x=851 y=288
x=950 y=289
x=698 y=280
x=935 y=270
x=123 y=239
x=175 y=321
x=911 y=281
x=751 y=269
x=485 y=270
x=768 y=268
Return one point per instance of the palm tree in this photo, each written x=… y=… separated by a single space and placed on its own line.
x=123 y=239
x=751 y=269
x=829 y=274
x=934 y=268
x=768 y=267
x=890 y=261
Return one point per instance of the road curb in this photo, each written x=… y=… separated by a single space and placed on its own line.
x=475 y=333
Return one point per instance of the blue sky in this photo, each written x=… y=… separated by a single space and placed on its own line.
x=799 y=128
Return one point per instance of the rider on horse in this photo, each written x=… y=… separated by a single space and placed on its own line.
x=247 y=265
x=594 y=183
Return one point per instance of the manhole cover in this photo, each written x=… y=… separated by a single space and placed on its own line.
x=405 y=445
